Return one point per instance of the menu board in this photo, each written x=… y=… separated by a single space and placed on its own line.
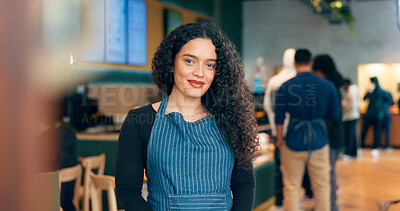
x=137 y=32
x=172 y=20
x=398 y=13
x=93 y=50
x=115 y=31
x=118 y=32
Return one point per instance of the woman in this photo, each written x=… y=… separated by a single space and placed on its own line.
x=325 y=67
x=197 y=144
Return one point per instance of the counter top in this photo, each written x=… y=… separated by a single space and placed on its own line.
x=263 y=127
x=265 y=156
x=97 y=136
x=263 y=159
x=112 y=136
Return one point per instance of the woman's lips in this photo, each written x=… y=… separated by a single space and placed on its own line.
x=196 y=84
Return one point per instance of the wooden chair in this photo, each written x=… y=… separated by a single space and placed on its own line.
x=70 y=174
x=89 y=164
x=100 y=183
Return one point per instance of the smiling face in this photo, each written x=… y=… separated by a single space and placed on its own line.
x=194 y=68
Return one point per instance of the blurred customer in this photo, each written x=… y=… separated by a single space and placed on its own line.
x=398 y=104
x=309 y=100
x=387 y=120
x=350 y=117
x=375 y=114
x=325 y=67
x=288 y=71
x=65 y=156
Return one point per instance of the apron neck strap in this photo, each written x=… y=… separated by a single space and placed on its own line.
x=163 y=106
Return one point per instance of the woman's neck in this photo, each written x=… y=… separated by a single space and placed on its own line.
x=190 y=107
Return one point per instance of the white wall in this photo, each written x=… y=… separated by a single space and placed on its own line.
x=269 y=27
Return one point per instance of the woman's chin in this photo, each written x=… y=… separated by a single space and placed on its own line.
x=195 y=94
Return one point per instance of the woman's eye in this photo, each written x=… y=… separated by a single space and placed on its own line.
x=211 y=66
x=189 y=61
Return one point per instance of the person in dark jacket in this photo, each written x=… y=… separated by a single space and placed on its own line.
x=378 y=101
x=325 y=67
x=64 y=156
x=387 y=120
x=398 y=104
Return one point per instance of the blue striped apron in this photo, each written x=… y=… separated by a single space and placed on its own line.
x=189 y=164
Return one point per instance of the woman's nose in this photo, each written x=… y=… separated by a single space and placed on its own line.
x=198 y=71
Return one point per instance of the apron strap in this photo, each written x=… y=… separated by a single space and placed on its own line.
x=163 y=106
x=309 y=132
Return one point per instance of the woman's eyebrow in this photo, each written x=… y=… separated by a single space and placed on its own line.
x=195 y=57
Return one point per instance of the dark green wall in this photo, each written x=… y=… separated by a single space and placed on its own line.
x=226 y=14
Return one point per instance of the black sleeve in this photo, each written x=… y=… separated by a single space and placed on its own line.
x=243 y=184
x=129 y=165
x=367 y=95
x=69 y=145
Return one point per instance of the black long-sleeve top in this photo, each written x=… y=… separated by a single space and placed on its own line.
x=132 y=159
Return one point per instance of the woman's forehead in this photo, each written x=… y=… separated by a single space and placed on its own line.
x=199 y=47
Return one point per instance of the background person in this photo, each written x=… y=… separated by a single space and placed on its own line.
x=65 y=155
x=387 y=119
x=309 y=100
x=350 y=117
x=378 y=101
x=325 y=67
x=288 y=71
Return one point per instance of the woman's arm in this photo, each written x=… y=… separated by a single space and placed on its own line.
x=367 y=96
x=243 y=185
x=129 y=166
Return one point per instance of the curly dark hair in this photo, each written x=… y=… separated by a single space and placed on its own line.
x=228 y=97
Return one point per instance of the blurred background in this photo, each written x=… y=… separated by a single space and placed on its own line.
x=86 y=63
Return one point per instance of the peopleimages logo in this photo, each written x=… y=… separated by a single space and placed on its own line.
x=118 y=95
x=311 y=96
x=294 y=93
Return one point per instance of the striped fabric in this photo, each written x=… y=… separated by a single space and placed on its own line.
x=189 y=164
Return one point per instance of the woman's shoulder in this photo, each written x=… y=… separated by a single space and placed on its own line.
x=143 y=114
x=147 y=109
x=140 y=115
x=156 y=105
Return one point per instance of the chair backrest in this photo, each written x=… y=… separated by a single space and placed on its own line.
x=89 y=164
x=71 y=174
x=100 y=183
